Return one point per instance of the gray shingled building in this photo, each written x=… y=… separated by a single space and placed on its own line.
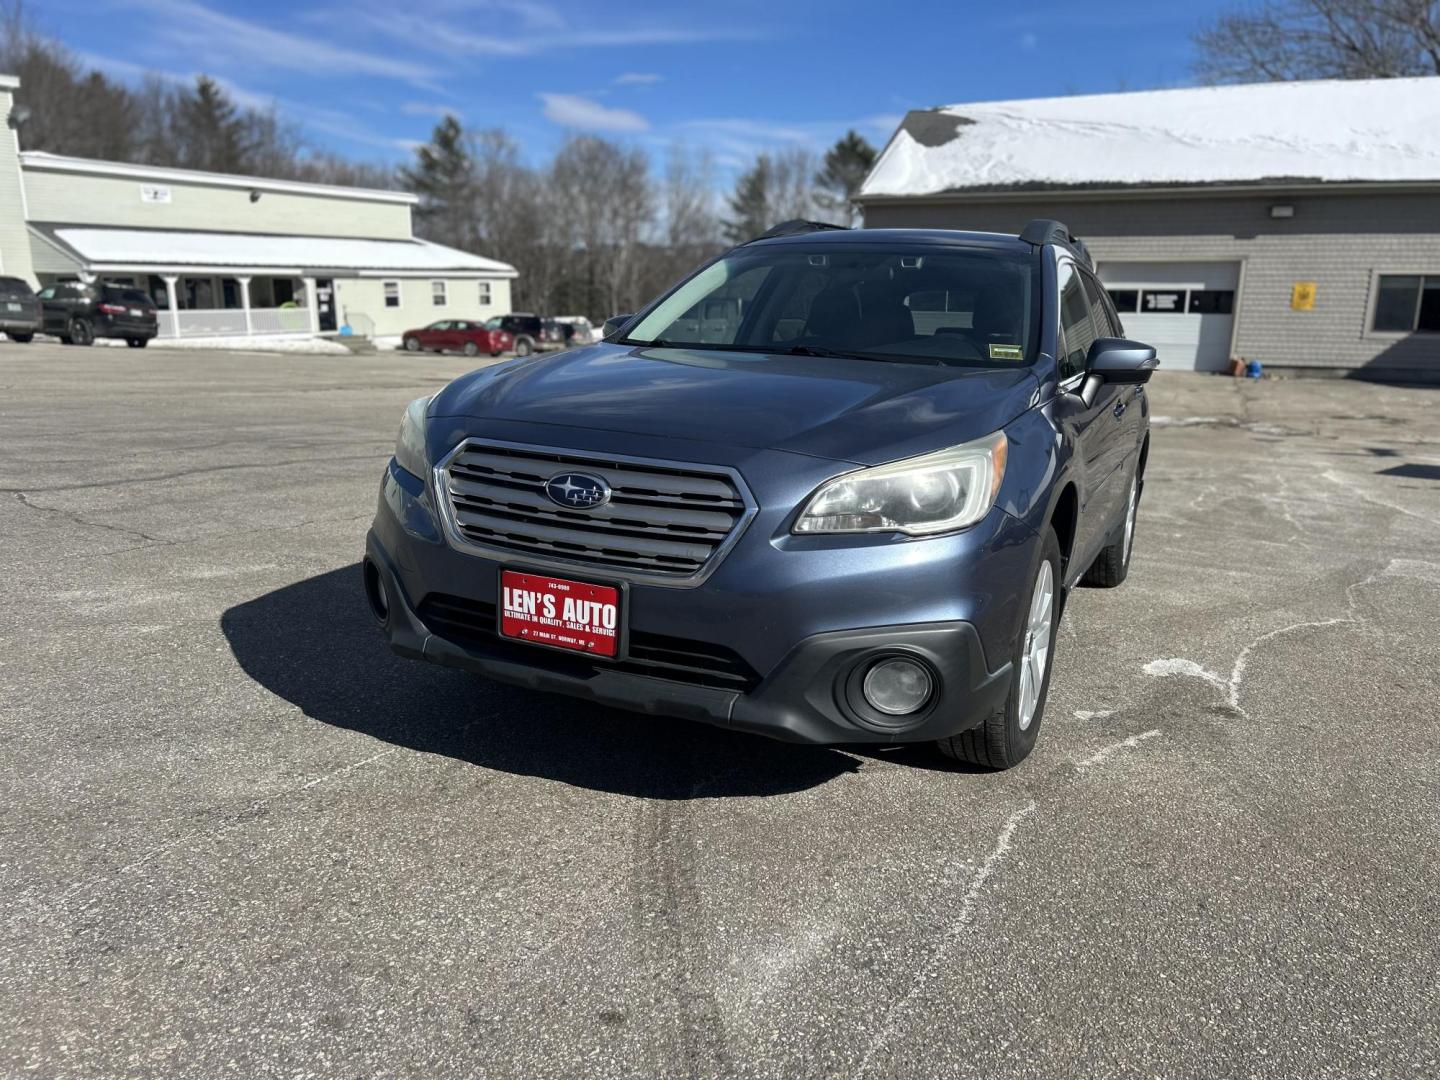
x=1297 y=224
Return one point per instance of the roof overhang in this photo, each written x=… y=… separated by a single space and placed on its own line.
x=1114 y=192
x=33 y=160
x=162 y=251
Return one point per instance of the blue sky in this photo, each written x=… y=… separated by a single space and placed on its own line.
x=368 y=79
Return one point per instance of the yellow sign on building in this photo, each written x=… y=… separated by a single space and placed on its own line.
x=1302 y=296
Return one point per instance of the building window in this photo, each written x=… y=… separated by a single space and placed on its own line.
x=484 y=294
x=437 y=293
x=1125 y=299
x=1212 y=301
x=1162 y=301
x=1405 y=303
x=392 y=294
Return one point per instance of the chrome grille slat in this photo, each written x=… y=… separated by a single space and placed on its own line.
x=623 y=478
x=588 y=537
x=664 y=522
x=711 y=522
x=594 y=557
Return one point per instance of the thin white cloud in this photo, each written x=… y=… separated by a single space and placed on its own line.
x=426 y=108
x=215 y=40
x=1028 y=41
x=638 y=78
x=456 y=37
x=571 y=110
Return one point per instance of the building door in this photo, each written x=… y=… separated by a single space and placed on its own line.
x=1185 y=309
x=325 y=304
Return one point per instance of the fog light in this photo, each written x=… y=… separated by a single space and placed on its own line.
x=375 y=593
x=897 y=687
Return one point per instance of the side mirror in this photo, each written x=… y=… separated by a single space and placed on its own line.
x=614 y=325
x=1117 y=360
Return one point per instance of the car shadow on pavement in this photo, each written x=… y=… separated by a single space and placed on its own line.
x=314 y=644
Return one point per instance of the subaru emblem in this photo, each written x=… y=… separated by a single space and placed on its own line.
x=577 y=491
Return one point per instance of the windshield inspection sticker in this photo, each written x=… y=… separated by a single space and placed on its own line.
x=1006 y=352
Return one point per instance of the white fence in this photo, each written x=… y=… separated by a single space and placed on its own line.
x=216 y=323
x=280 y=320
x=230 y=322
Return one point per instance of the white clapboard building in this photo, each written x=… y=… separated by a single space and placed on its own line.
x=235 y=255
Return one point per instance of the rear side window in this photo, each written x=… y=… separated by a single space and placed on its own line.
x=126 y=296
x=1106 y=322
x=1076 y=323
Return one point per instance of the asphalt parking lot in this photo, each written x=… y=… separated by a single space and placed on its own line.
x=240 y=839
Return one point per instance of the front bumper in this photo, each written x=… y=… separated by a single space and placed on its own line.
x=804 y=614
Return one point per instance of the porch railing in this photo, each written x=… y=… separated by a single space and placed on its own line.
x=230 y=322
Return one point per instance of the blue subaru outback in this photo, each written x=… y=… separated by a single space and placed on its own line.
x=834 y=488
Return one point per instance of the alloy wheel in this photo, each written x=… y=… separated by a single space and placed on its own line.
x=1035 y=654
x=1130 y=511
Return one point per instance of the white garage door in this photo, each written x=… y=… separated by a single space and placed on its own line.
x=1185 y=310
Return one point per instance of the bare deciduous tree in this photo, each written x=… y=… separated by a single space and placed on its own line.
x=1322 y=39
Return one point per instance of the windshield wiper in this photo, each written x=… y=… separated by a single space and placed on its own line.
x=819 y=350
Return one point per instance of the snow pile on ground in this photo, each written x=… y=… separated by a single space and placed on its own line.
x=1381 y=129
x=311 y=345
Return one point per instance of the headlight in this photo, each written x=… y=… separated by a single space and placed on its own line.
x=410 y=445
x=920 y=496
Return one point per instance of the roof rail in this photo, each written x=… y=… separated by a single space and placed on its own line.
x=795 y=227
x=1043 y=231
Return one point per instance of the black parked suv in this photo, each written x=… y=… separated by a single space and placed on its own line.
x=78 y=313
x=532 y=333
x=19 y=309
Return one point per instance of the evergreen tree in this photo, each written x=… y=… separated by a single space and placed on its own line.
x=209 y=131
x=750 y=205
x=846 y=165
x=444 y=176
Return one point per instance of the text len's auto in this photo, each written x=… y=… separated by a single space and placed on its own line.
x=834 y=488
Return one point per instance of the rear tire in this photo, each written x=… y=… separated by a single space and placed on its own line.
x=23 y=339
x=1007 y=736
x=137 y=342
x=412 y=344
x=1112 y=565
x=81 y=332
x=471 y=349
x=524 y=346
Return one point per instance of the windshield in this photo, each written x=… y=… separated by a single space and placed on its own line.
x=920 y=304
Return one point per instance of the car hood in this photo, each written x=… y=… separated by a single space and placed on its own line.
x=864 y=411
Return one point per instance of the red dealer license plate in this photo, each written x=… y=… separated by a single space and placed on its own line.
x=563 y=614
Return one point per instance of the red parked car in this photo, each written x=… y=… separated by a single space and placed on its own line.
x=458 y=335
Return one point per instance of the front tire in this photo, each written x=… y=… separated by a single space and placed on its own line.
x=412 y=344
x=1007 y=737
x=1112 y=565
x=23 y=339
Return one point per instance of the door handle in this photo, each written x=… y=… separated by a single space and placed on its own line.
x=1119 y=409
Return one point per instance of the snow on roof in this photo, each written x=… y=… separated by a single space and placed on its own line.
x=41 y=159
x=1356 y=130
x=139 y=248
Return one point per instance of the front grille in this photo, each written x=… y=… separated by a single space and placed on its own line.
x=663 y=521
x=461 y=620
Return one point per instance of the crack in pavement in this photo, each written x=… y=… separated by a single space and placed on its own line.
x=56 y=906
x=890 y=1024
x=1232 y=686
x=183 y=473
x=25 y=501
